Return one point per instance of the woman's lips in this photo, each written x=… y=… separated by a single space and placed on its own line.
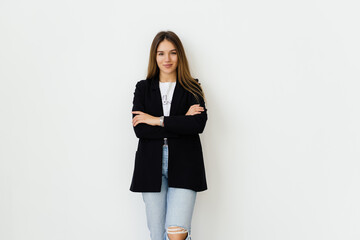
x=167 y=65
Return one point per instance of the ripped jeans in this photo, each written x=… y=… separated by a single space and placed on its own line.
x=172 y=207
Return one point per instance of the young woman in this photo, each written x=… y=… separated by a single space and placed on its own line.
x=169 y=113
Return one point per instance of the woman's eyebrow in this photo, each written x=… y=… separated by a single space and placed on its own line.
x=169 y=50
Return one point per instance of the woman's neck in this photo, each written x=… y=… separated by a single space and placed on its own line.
x=167 y=77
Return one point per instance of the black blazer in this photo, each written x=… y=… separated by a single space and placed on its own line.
x=185 y=166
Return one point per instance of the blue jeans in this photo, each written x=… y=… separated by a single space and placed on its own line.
x=169 y=208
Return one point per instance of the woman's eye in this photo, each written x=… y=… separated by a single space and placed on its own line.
x=171 y=53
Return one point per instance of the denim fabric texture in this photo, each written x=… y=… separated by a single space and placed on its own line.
x=170 y=207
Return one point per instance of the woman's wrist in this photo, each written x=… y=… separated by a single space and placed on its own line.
x=161 y=121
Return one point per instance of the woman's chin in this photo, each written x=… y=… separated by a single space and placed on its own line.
x=167 y=71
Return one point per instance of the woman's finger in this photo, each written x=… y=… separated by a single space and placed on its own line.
x=137 y=112
x=136 y=122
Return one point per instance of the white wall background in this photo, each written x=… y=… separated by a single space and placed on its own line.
x=282 y=140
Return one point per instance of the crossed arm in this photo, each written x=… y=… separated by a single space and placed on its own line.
x=148 y=126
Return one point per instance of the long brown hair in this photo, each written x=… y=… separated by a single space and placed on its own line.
x=183 y=73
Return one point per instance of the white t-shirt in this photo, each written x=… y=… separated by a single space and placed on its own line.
x=167 y=91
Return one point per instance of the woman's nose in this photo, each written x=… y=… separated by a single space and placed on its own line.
x=167 y=58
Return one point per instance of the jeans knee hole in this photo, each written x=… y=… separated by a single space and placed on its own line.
x=176 y=230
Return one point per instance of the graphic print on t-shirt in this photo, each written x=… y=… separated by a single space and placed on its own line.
x=165 y=100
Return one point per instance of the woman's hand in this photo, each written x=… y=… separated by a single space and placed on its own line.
x=195 y=109
x=145 y=118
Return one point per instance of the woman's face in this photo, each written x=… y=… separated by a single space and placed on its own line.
x=166 y=57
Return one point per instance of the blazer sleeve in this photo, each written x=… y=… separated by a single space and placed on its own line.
x=143 y=130
x=187 y=124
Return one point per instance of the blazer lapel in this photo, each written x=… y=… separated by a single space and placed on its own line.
x=157 y=107
x=178 y=92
